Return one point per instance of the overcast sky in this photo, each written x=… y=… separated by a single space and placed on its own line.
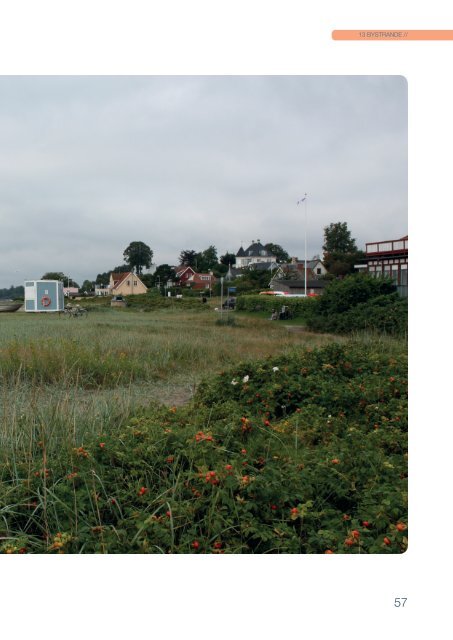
x=89 y=164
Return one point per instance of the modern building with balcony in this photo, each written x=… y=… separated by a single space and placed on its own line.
x=388 y=258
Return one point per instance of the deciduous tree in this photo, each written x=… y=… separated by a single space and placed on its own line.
x=340 y=249
x=103 y=278
x=188 y=258
x=163 y=274
x=228 y=258
x=58 y=275
x=337 y=239
x=207 y=259
x=87 y=286
x=55 y=275
x=277 y=251
x=138 y=255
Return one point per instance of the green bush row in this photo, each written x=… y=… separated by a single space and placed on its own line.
x=299 y=307
x=148 y=302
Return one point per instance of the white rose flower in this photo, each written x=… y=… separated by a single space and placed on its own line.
x=245 y=379
x=274 y=368
x=234 y=382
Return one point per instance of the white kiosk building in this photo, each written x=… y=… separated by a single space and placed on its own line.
x=44 y=295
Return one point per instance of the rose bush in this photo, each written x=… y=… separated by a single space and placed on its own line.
x=304 y=453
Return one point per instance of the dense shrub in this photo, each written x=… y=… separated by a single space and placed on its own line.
x=359 y=302
x=385 y=314
x=298 y=454
x=342 y=295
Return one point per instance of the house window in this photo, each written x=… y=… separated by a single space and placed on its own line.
x=128 y=283
x=318 y=271
x=135 y=283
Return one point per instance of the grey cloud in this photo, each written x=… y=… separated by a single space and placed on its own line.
x=88 y=164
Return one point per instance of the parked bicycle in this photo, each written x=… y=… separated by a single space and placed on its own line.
x=75 y=311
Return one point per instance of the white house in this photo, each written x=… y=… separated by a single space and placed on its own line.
x=254 y=254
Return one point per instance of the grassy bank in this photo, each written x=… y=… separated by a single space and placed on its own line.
x=94 y=371
x=103 y=350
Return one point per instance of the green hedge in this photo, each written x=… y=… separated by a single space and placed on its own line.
x=147 y=302
x=299 y=307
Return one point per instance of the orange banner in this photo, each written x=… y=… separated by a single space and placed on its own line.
x=388 y=34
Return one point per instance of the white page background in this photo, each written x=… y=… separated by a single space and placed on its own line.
x=235 y=597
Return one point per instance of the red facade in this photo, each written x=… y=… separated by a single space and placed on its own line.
x=187 y=277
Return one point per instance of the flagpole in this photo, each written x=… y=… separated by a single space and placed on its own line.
x=305 y=268
x=304 y=199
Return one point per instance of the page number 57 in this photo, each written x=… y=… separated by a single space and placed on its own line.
x=399 y=602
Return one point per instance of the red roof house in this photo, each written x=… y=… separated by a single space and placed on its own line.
x=188 y=277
